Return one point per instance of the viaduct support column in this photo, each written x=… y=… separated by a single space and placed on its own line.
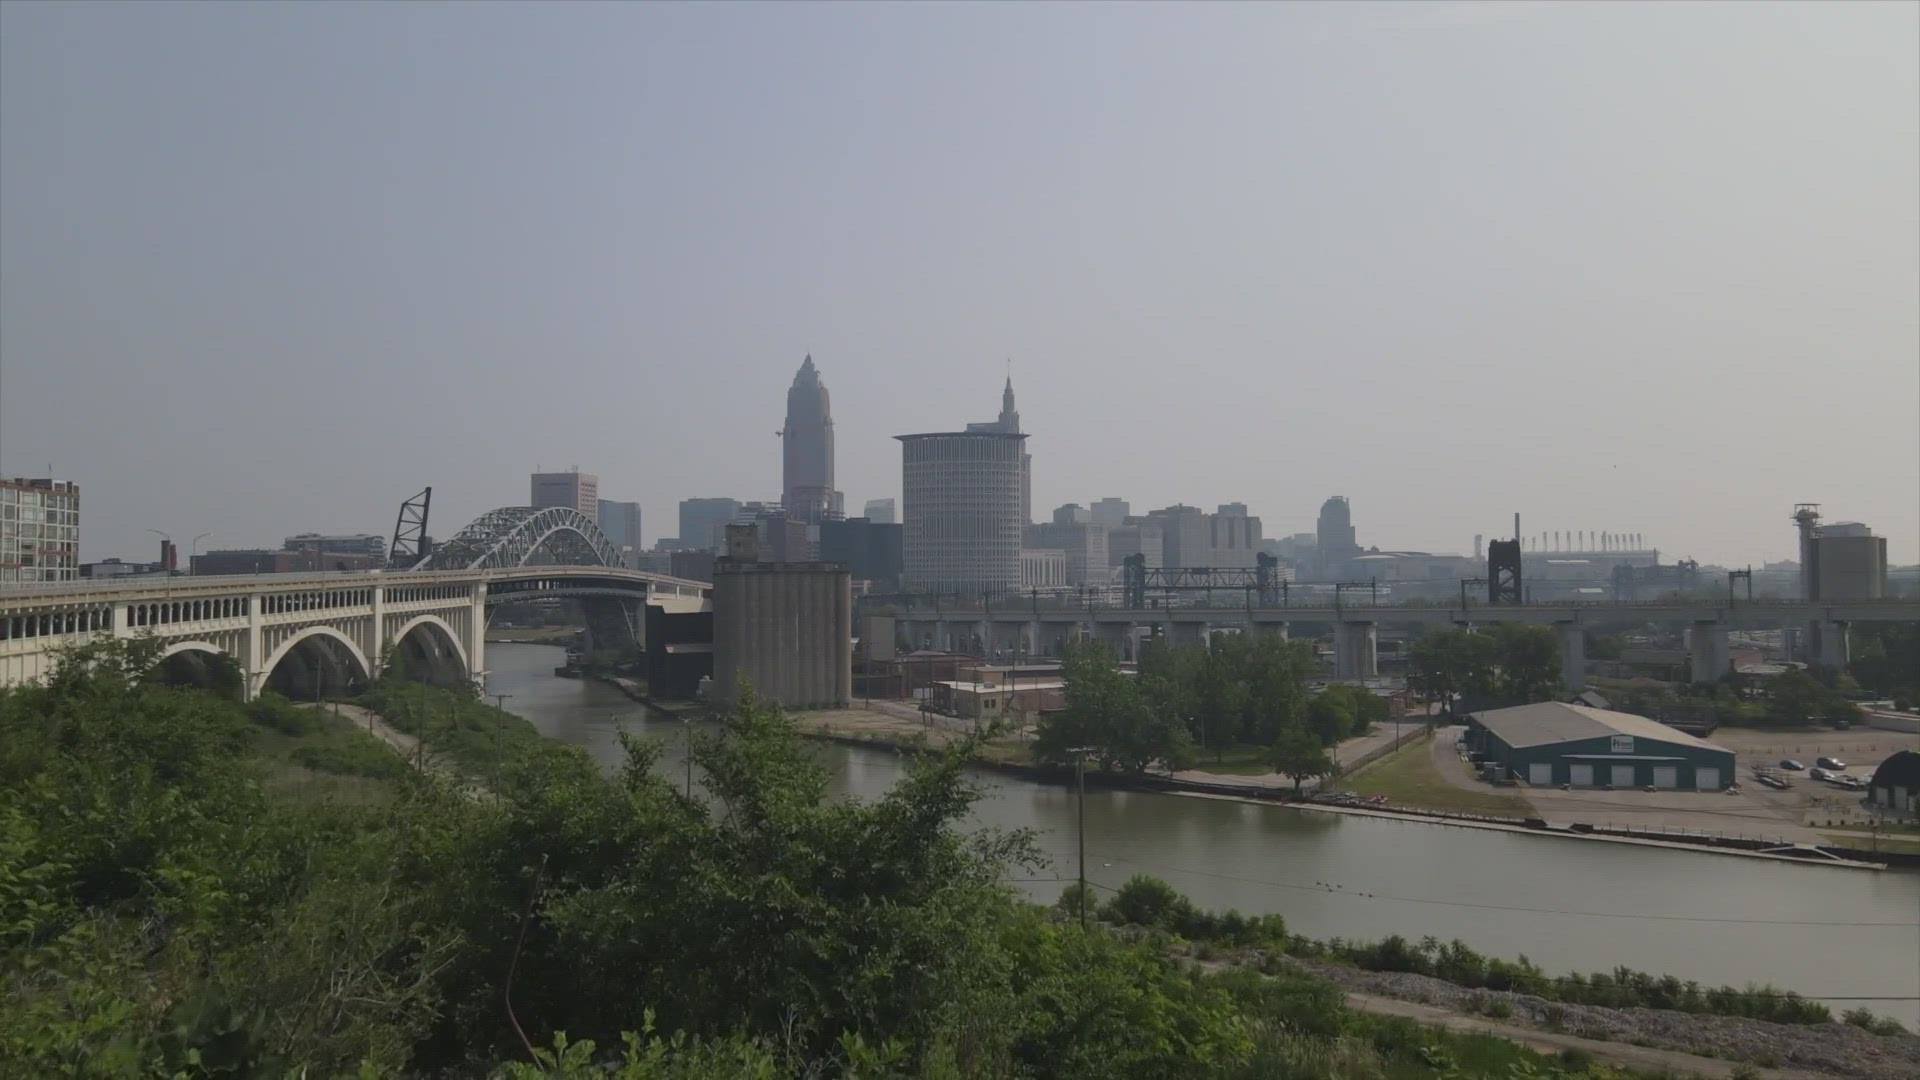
x=1033 y=637
x=984 y=630
x=1355 y=651
x=1573 y=656
x=1707 y=644
x=1831 y=646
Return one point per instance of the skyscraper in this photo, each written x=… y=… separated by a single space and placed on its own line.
x=1008 y=423
x=966 y=496
x=699 y=518
x=880 y=511
x=806 y=488
x=1335 y=531
x=621 y=522
x=572 y=488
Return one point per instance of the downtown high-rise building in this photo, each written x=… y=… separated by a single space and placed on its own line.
x=39 y=530
x=701 y=520
x=573 y=489
x=621 y=522
x=965 y=498
x=881 y=512
x=1334 y=531
x=806 y=443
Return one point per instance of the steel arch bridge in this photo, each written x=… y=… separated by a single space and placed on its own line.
x=514 y=536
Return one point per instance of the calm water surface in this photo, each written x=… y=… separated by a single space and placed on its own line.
x=1567 y=905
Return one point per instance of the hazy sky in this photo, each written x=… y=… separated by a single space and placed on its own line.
x=267 y=268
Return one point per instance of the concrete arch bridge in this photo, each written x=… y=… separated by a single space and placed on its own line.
x=303 y=632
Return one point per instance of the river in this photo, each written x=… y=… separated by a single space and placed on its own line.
x=1568 y=905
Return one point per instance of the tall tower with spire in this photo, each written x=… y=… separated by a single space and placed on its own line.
x=1009 y=424
x=806 y=488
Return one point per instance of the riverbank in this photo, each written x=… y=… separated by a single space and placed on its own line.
x=891 y=725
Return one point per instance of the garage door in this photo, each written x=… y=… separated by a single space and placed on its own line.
x=1622 y=776
x=1706 y=779
x=1540 y=774
x=1583 y=776
x=1666 y=776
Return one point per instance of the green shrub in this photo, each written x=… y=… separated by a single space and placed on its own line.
x=1148 y=901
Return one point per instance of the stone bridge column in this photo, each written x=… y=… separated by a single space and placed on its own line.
x=378 y=659
x=1707 y=646
x=1033 y=637
x=477 y=636
x=984 y=629
x=252 y=678
x=1355 y=650
x=1573 y=656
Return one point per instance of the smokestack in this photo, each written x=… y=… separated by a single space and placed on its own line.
x=1477 y=554
x=1516 y=528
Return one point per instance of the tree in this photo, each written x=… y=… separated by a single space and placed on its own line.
x=1366 y=708
x=1330 y=718
x=1300 y=756
x=1794 y=697
x=1109 y=713
x=1148 y=901
x=1529 y=658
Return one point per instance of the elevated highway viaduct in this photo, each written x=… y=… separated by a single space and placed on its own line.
x=1040 y=627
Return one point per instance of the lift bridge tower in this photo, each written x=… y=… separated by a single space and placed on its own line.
x=1504 y=569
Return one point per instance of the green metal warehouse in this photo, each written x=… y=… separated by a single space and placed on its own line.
x=1551 y=743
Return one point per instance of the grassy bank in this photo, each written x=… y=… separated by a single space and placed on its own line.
x=1409 y=777
x=312 y=754
x=455 y=724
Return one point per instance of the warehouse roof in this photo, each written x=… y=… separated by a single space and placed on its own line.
x=1900 y=770
x=1554 y=721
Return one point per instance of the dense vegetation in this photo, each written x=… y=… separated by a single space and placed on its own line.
x=164 y=912
x=1190 y=701
x=1516 y=661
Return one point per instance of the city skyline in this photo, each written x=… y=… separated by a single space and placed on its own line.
x=1589 y=331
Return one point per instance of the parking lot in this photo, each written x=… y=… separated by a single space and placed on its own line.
x=1863 y=749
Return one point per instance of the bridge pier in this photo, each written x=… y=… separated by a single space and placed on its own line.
x=1829 y=646
x=1033 y=637
x=1573 y=656
x=1356 y=652
x=1707 y=647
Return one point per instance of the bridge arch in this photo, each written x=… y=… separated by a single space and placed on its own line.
x=191 y=646
x=326 y=661
x=435 y=654
x=202 y=664
x=523 y=536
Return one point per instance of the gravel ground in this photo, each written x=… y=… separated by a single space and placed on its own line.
x=1838 y=1050
x=1832 y=1048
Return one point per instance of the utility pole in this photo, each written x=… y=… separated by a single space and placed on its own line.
x=1080 y=783
x=687 y=730
x=500 y=701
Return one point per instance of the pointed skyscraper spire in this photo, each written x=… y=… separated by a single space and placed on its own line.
x=1009 y=416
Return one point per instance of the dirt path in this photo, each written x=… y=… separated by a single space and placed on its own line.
x=407 y=746
x=1626 y=1055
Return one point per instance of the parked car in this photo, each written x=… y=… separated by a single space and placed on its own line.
x=1831 y=763
x=1790 y=764
x=1819 y=774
